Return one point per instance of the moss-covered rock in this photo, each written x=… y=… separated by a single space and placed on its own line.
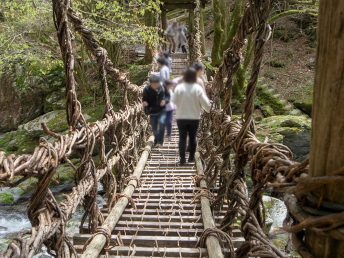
x=23 y=88
x=268 y=103
x=6 y=198
x=55 y=120
x=305 y=107
x=293 y=131
x=55 y=101
x=62 y=181
x=18 y=142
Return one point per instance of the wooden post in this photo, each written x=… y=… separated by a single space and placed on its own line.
x=95 y=247
x=327 y=148
x=213 y=244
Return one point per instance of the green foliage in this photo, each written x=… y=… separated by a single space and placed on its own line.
x=138 y=73
x=120 y=21
x=27 y=36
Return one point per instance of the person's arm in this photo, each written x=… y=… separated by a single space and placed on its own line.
x=204 y=100
x=166 y=73
x=175 y=97
x=167 y=96
x=161 y=97
x=145 y=99
x=163 y=74
x=201 y=83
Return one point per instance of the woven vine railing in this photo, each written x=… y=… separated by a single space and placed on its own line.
x=113 y=144
x=272 y=167
x=106 y=150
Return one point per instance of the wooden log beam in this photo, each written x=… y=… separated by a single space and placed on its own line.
x=97 y=244
x=327 y=153
x=213 y=244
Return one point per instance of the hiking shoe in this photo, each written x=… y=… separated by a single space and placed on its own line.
x=191 y=160
x=182 y=162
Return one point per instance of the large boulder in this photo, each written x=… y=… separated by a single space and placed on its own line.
x=292 y=131
x=55 y=120
x=17 y=107
x=23 y=89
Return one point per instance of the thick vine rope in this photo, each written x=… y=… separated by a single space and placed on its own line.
x=128 y=131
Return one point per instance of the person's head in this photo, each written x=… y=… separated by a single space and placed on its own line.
x=169 y=84
x=199 y=69
x=154 y=82
x=190 y=75
x=166 y=55
x=162 y=61
x=174 y=24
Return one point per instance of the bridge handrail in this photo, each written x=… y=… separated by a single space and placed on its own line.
x=98 y=241
x=127 y=129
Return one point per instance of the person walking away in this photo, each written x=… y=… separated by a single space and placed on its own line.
x=200 y=74
x=182 y=39
x=168 y=57
x=170 y=34
x=170 y=107
x=164 y=70
x=154 y=104
x=190 y=99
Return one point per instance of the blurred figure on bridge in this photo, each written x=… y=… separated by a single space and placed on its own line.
x=164 y=69
x=190 y=99
x=170 y=34
x=154 y=105
x=170 y=107
x=182 y=38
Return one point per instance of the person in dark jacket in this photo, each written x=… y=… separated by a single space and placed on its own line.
x=154 y=104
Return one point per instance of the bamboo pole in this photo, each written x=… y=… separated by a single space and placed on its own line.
x=213 y=245
x=95 y=247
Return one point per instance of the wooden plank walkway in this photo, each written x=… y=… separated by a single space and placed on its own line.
x=165 y=222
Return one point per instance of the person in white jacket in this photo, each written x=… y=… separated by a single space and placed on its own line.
x=189 y=98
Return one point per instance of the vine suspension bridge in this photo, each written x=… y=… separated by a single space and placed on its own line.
x=155 y=208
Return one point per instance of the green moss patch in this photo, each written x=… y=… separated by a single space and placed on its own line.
x=276 y=127
x=269 y=104
x=6 y=198
x=18 y=142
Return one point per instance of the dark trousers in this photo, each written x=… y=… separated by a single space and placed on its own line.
x=169 y=118
x=184 y=49
x=157 y=122
x=187 y=128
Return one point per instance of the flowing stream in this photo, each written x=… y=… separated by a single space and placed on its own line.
x=13 y=220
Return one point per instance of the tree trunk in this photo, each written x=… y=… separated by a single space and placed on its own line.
x=201 y=24
x=191 y=36
x=163 y=26
x=150 y=21
x=163 y=20
x=327 y=153
x=218 y=34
